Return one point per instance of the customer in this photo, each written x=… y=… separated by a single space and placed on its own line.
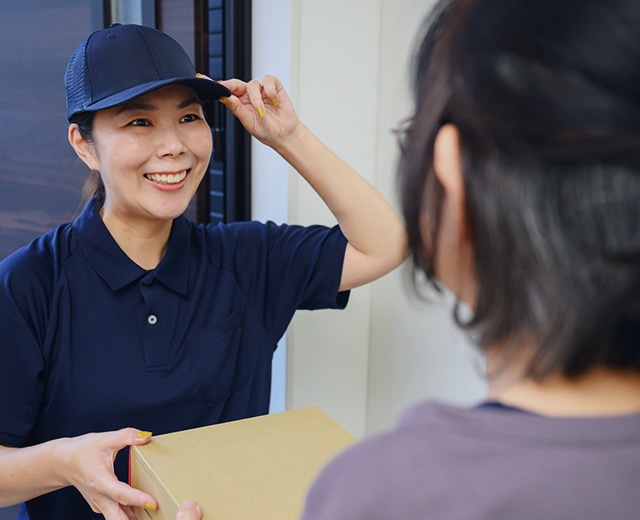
x=133 y=317
x=520 y=187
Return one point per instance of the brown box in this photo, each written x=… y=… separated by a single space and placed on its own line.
x=258 y=468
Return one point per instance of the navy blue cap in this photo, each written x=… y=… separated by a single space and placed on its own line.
x=117 y=64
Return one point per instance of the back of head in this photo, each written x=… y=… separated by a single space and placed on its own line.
x=546 y=96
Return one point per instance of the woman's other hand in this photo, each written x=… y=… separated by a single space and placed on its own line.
x=89 y=468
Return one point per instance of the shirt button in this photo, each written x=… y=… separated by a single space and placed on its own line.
x=152 y=319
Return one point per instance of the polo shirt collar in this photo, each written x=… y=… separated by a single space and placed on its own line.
x=116 y=268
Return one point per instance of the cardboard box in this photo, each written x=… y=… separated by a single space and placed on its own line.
x=259 y=468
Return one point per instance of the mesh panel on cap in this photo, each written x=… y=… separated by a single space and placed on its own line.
x=76 y=81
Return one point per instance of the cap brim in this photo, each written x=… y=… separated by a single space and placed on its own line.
x=207 y=90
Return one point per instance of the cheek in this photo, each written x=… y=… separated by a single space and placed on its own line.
x=118 y=152
x=203 y=145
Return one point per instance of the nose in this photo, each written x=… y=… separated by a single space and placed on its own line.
x=170 y=143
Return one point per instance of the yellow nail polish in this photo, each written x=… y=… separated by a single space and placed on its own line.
x=225 y=102
x=260 y=111
x=144 y=435
x=274 y=102
x=151 y=506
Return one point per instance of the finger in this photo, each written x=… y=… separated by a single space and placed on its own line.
x=236 y=86
x=141 y=437
x=270 y=89
x=189 y=510
x=126 y=495
x=129 y=512
x=254 y=91
x=130 y=437
x=238 y=89
x=242 y=104
x=112 y=511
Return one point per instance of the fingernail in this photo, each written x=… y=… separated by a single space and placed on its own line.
x=274 y=102
x=144 y=435
x=225 y=101
x=260 y=111
x=151 y=506
x=198 y=74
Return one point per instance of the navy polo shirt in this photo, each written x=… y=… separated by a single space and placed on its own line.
x=91 y=342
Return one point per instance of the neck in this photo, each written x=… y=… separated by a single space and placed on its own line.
x=601 y=392
x=144 y=245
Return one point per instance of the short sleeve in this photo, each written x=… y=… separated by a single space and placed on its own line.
x=306 y=263
x=284 y=268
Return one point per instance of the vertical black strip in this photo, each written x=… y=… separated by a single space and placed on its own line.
x=201 y=62
x=223 y=50
x=97 y=15
x=237 y=37
x=100 y=14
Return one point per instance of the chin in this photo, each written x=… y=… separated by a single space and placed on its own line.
x=170 y=211
x=171 y=215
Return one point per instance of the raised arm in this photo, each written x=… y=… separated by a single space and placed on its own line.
x=376 y=236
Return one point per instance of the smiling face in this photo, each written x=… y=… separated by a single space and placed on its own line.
x=152 y=152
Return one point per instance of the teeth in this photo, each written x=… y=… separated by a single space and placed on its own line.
x=163 y=178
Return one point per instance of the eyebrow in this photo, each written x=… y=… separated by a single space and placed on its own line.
x=139 y=105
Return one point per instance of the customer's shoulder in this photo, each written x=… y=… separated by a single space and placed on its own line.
x=423 y=428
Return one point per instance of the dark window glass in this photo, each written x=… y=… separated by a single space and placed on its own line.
x=226 y=52
x=41 y=177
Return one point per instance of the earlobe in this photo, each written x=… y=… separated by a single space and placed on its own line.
x=83 y=148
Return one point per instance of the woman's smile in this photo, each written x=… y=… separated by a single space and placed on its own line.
x=168 y=181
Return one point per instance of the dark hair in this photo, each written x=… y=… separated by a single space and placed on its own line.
x=93 y=186
x=546 y=97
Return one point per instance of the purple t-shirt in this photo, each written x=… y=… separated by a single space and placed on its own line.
x=445 y=463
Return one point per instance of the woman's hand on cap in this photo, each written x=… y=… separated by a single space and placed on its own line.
x=264 y=109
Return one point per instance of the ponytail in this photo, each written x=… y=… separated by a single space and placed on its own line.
x=93 y=187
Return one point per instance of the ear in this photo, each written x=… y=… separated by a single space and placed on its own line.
x=447 y=166
x=456 y=268
x=83 y=148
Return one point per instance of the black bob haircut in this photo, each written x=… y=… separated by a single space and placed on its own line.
x=546 y=97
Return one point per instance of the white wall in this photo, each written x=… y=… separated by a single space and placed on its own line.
x=271 y=54
x=346 y=65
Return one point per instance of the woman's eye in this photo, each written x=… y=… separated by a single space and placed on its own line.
x=140 y=122
x=189 y=118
